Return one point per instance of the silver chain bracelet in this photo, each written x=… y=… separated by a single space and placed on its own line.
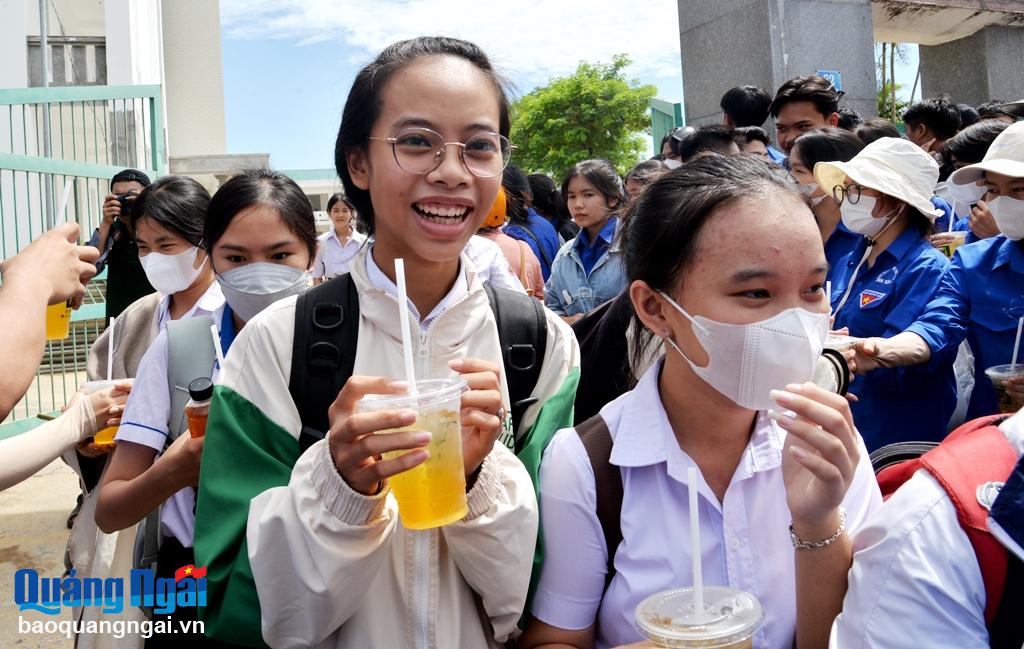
x=801 y=544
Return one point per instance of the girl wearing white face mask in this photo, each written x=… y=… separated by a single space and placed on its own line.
x=808 y=150
x=260 y=236
x=884 y=282
x=726 y=265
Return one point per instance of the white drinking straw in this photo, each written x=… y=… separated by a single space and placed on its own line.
x=403 y=314
x=1016 y=343
x=64 y=201
x=110 y=351
x=698 y=578
x=216 y=345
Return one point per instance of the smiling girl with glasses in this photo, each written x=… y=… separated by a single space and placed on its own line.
x=309 y=550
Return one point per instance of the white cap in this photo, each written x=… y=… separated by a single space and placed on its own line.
x=1005 y=157
x=892 y=166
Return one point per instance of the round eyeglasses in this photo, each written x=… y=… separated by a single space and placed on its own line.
x=850 y=193
x=421 y=150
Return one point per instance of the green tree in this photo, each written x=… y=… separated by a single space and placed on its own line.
x=886 y=108
x=593 y=113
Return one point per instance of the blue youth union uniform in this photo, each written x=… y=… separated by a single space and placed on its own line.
x=981 y=299
x=839 y=244
x=903 y=403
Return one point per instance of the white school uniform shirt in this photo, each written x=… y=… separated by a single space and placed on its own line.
x=149 y=407
x=745 y=540
x=915 y=580
x=490 y=264
x=380 y=281
x=332 y=256
x=209 y=302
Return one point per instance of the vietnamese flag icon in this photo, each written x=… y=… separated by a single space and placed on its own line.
x=189 y=571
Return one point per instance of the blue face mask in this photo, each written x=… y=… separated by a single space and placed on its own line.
x=1006 y=518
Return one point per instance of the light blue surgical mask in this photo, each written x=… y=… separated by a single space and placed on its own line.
x=253 y=287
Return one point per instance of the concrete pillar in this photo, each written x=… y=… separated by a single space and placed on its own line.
x=765 y=42
x=976 y=69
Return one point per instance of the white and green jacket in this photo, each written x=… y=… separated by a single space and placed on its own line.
x=296 y=558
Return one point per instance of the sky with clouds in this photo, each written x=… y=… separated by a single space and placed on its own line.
x=288 y=64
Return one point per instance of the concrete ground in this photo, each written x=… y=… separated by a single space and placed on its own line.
x=33 y=534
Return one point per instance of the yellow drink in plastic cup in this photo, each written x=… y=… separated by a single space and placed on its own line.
x=58 y=320
x=105 y=437
x=729 y=621
x=434 y=493
x=1001 y=377
x=949 y=248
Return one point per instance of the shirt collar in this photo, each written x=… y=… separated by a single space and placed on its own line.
x=207 y=303
x=1010 y=252
x=645 y=436
x=355 y=238
x=903 y=243
x=607 y=234
x=380 y=281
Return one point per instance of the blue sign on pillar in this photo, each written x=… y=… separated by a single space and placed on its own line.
x=833 y=77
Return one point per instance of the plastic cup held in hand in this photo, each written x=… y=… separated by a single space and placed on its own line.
x=728 y=620
x=433 y=493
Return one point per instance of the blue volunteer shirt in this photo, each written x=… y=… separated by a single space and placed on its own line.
x=981 y=299
x=541 y=236
x=776 y=156
x=839 y=244
x=895 y=404
x=942 y=223
x=590 y=251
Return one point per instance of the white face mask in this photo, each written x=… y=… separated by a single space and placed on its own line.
x=251 y=288
x=857 y=217
x=1009 y=215
x=746 y=362
x=965 y=194
x=672 y=164
x=809 y=189
x=170 y=274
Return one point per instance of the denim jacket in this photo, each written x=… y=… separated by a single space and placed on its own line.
x=570 y=291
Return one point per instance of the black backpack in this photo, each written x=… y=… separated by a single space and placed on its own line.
x=327 y=332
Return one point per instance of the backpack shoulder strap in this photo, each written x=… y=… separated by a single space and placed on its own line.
x=190 y=355
x=975 y=454
x=523 y=336
x=597 y=440
x=323 y=352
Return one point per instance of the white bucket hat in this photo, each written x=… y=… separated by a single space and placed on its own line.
x=893 y=166
x=1005 y=157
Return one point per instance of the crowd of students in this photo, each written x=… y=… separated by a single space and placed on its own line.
x=680 y=310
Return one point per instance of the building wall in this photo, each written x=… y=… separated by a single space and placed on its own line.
x=976 y=69
x=765 y=42
x=134 y=49
x=194 y=81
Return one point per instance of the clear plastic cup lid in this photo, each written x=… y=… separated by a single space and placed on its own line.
x=1002 y=372
x=840 y=343
x=430 y=392
x=670 y=618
